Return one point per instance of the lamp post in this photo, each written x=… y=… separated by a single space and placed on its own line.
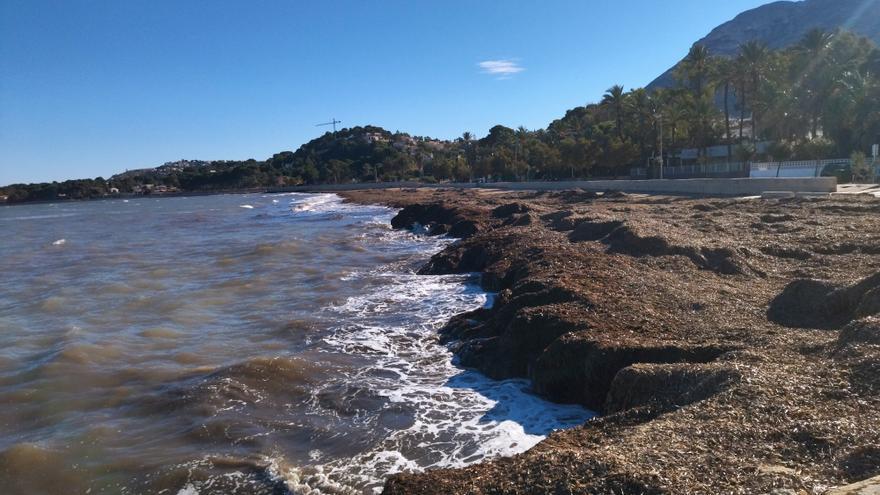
x=875 y=151
x=660 y=125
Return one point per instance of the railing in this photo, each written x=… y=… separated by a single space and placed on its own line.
x=709 y=170
x=803 y=168
x=789 y=169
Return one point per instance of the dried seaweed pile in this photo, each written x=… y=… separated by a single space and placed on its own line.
x=732 y=344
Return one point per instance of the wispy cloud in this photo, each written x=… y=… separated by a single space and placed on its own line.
x=503 y=69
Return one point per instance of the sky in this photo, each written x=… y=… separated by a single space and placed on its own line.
x=95 y=87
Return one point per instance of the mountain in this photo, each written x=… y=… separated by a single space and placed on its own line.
x=782 y=24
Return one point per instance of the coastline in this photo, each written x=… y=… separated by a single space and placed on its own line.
x=673 y=317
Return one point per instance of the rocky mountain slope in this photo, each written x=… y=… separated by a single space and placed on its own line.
x=782 y=24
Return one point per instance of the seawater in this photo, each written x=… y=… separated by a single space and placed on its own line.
x=237 y=344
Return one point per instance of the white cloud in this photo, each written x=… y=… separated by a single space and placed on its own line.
x=501 y=68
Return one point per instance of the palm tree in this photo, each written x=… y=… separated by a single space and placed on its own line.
x=695 y=69
x=813 y=80
x=467 y=137
x=673 y=106
x=701 y=113
x=725 y=73
x=615 y=98
x=815 y=42
x=642 y=107
x=753 y=61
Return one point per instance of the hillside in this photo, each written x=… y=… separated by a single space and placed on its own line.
x=782 y=24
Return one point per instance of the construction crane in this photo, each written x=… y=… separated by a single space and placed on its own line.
x=332 y=122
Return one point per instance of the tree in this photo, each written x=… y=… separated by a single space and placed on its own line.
x=753 y=61
x=615 y=98
x=724 y=76
x=695 y=70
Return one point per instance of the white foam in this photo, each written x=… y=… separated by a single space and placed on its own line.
x=59 y=242
x=249 y=207
x=460 y=417
x=189 y=489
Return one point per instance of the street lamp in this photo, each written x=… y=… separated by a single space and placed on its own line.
x=659 y=118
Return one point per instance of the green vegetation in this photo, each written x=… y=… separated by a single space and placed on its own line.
x=817 y=99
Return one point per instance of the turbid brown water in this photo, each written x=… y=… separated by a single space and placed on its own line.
x=236 y=344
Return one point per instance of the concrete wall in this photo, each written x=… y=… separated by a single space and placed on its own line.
x=689 y=187
x=695 y=187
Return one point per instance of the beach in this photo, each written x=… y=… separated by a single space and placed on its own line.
x=730 y=344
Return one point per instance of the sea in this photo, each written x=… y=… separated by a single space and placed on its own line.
x=237 y=344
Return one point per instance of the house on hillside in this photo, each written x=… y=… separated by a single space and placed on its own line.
x=374 y=137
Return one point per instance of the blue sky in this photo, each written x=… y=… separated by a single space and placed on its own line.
x=93 y=87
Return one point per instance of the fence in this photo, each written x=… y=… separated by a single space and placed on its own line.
x=791 y=169
x=699 y=171
x=805 y=168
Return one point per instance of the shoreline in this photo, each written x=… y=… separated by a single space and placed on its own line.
x=675 y=326
x=683 y=187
